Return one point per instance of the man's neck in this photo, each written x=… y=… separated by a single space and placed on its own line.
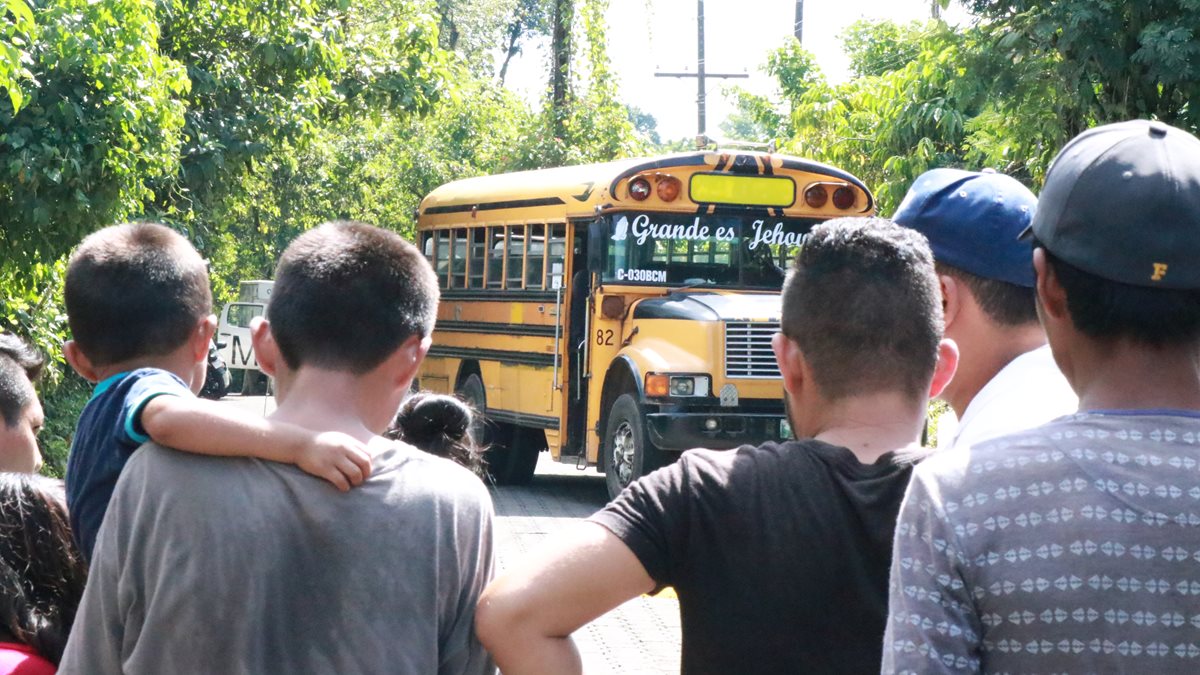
x=1128 y=376
x=323 y=400
x=872 y=425
x=984 y=353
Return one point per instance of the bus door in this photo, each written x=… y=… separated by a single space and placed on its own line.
x=574 y=442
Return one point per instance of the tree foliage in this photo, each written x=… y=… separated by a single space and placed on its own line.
x=101 y=119
x=1117 y=60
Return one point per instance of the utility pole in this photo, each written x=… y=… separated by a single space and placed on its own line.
x=800 y=21
x=701 y=75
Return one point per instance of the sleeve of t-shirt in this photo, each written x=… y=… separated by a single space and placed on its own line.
x=651 y=517
x=933 y=626
x=143 y=390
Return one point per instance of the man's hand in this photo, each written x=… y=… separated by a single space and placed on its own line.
x=336 y=457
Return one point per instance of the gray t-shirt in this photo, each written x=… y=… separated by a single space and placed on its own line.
x=1070 y=548
x=221 y=565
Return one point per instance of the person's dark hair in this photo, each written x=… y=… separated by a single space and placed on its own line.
x=1006 y=304
x=133 y=291
x=1110 y=310
x=863 y=304
x=41 y=572
x=347 y=295
x=440 y=425
x=20 y=366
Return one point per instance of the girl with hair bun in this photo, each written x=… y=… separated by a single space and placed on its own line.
x=440 y=425
x=41 y=574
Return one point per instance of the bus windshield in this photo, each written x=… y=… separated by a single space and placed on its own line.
x=709 y=250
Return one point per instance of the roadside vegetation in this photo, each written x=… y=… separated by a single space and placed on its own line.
x=244 y=122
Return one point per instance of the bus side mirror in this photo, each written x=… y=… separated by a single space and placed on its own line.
x=597 y=230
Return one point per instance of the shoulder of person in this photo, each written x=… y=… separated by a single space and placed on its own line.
x=440 y=477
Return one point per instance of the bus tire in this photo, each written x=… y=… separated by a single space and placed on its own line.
x=629 y=455
x=523 y=454
x=496 y=438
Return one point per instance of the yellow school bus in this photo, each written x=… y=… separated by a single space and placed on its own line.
x=617 y=314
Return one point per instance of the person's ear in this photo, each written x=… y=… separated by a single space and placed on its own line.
x=1050 y=293
x=408 y=359
x=205 y=330
x=952 y=298
x=79 y=361
x=790 y=361
x=266 y=350
x=947 y=364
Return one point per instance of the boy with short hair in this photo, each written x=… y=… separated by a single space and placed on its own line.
x=140 y=311
x=280 y=575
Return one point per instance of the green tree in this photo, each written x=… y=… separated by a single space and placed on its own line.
x=100 y=120
x=1116 y=60
x=16 y=28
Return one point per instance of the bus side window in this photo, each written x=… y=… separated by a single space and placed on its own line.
x=458 y=261
x=556 y=255
x=495 y=270
x=476 y=257
x=515 y=257
x=443 y=258
x=536 y=257
x=427 y=246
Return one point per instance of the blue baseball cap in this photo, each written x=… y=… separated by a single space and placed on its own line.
x=972 y=221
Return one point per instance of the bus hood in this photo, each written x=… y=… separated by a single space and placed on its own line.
x=711 y=307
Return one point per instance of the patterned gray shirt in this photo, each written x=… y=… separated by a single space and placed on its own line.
x=1070 y=548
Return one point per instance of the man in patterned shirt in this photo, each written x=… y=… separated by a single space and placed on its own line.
x=1075 y=547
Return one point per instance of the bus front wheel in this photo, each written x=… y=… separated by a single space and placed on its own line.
x=629 y=455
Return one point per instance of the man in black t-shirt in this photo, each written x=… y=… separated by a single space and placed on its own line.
x=779 y=553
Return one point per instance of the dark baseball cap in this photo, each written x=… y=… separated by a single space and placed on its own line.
x=972 y=220
x=1122 y=201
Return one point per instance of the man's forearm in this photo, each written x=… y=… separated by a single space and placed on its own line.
x=539 y=655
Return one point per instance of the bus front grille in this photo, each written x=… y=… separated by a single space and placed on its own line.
x=748 y=349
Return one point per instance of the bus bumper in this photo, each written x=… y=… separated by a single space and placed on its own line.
x=684 y=431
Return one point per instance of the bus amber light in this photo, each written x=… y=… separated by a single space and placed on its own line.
x=816 y=196
x=843 y=198
x=639 y=189
x=668 y=188
x=657 y=385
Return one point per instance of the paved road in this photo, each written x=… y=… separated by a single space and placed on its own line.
x=639 y=638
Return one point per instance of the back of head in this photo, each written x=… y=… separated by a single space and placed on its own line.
x=20 y=366
x=347 y=295
x=134 y=291
x=1119 y=219
x=863 y=305
x=440 y=425
x=972 y=221
x=41 y=573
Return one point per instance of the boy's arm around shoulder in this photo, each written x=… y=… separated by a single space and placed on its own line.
x=209 y=428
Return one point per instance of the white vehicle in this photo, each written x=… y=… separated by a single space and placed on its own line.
x=233 y=331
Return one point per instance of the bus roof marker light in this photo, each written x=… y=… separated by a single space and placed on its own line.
x=816 y=196
x=639 y=189
x=668 y=188
x=843 y=197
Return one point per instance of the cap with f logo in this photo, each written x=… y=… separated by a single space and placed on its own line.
x=1122 y=201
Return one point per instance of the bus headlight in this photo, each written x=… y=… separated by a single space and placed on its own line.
x=661 y=384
